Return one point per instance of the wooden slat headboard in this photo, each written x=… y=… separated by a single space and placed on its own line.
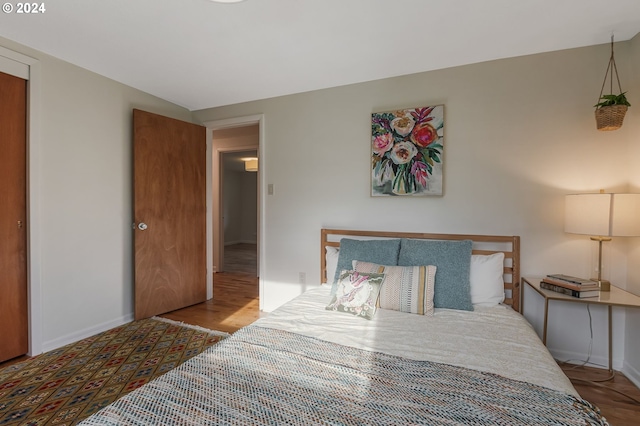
x=482 y=244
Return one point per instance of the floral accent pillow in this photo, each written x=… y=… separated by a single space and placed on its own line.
x=357 y=293
x=406 y=288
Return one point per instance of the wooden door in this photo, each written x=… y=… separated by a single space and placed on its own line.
x=14 y=331
x=169 y=213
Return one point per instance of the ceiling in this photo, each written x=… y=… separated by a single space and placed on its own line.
x=201 y=54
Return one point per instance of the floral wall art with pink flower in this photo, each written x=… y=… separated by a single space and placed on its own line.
x=407 y=150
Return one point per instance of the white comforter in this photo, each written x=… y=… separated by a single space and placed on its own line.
x=495 y=340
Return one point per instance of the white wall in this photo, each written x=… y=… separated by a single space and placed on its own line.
x=249 y=209
x=632 y=329
x=231 y=207
x=520 y=134
x=85 y=206
x=240 y=207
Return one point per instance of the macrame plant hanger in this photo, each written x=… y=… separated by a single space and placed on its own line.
x=610 y=117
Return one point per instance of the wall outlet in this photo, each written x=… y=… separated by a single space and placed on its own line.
x=302 y=278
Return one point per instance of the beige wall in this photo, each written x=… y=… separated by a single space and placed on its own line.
x=520 y=134
x=85 y=197
x=632 y=340
x=240 y=207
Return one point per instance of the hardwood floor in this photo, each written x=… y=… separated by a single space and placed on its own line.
x=235 y=300
x=613 y=397
x=235 y=305
x=241 y=258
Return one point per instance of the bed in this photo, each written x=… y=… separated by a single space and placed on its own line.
x=416 y=359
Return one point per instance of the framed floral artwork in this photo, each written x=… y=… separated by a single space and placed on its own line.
x=406 y=152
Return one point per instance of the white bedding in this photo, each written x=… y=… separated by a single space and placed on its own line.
x=495 y=340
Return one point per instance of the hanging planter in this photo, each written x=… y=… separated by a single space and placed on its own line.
x=610 y=109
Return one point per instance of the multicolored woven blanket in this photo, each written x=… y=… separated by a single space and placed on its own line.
x=267 y=376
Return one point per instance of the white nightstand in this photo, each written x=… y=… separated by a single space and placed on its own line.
x=615 y=297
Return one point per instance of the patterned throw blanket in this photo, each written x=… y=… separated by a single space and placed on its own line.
x=268 y=376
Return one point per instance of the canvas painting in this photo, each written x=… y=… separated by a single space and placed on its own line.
x=407 y=148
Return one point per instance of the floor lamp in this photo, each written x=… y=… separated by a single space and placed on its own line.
x=602 y=216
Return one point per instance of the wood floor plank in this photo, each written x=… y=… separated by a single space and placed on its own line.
x=235 y=302
x=228 y=317
x=609 y=396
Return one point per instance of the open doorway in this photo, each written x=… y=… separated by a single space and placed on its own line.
x=234 y=299
x=239 y=206
x=235 y=139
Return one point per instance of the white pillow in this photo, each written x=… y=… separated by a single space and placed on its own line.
x=487 y=280
x=331 y=258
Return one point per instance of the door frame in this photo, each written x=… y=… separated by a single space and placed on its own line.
x=26 y=67
x=226 y=124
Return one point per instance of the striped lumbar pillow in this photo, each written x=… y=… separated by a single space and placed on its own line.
x=406 y=288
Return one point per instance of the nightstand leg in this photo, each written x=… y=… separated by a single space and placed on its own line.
x=610 y=340
x=544 y=327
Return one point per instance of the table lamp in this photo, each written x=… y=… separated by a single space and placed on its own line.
x=602 y=216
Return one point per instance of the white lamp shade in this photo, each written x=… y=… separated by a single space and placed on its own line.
x=605 y=215
x=625 y=215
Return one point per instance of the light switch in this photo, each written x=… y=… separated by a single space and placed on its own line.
x=270 y=189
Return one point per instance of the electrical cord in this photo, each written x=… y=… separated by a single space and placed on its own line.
x=581 y=363
x=596 y=383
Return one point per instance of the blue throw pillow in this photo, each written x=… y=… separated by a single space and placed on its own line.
x=382 y=252
x=453 y=260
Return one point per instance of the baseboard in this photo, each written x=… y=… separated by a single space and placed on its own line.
x=579 y=358
x=632 y=374
x=230 y=243
x=83 y=334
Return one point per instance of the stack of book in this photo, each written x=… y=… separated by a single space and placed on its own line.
x=572 y=286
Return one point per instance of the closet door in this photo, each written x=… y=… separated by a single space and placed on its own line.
x=13 y=234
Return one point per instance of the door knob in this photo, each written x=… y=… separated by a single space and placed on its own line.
x=142 y=226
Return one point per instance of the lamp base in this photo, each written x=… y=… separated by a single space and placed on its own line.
x=605 y=285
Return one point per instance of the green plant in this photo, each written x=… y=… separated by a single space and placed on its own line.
x=608 y=100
